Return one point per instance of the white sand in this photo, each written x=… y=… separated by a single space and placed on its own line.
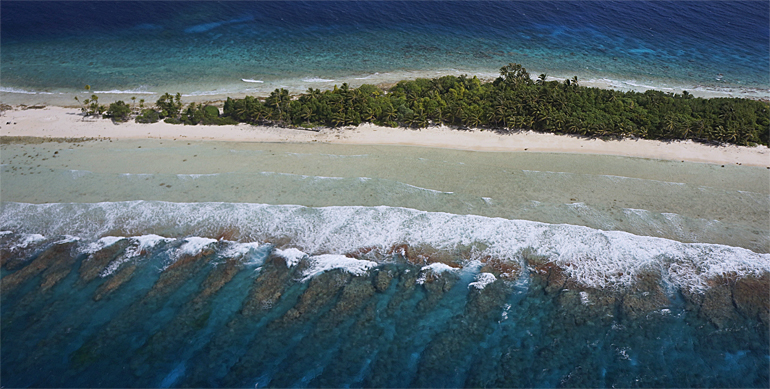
x=58 y=122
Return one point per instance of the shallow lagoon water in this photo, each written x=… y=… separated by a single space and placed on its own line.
x=172 y=263
x=162 y=264
x=689 y=202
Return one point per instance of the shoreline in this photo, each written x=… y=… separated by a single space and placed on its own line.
x=61 y=122
x=239 y=88
x=234 y=90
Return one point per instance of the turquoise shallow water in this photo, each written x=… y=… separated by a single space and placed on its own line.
x=207 y=50
x=227 y=265
x=212 y=264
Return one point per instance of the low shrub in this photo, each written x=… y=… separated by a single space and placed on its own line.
x=148 y=116
x=118 y=111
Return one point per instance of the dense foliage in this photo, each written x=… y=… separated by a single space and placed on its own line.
x=512 y=102
x=515 y=102
x=148 y=116
x=119 y=111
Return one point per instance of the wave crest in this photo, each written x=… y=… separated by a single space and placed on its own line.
x=590 y=257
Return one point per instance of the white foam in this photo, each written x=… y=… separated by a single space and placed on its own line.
x=316 y=79
x=591 y=257
x=300 y=176
x=124 y=92
x=144 y=242
x=67 y=239
x=195 y=176
x=612 y=178
x=326 y=262
x=140 y=244
x=436 y=268
x=584 y=299
x=75 y=174
x=194 y=245
x=136 y=175
x=102 y=243
x=235 y=249
x=291 y=255
x=615 y=178
x=29 y=239
x=706 y=91
x=205 y=93
x=428 y=190
x=2 y=233
x=5 y=89
x=251 y=80
x=482 y=280
x=343 y=155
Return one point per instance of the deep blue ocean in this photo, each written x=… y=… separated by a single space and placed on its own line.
x=232 y=47
x=133 y=291
x=160 y=294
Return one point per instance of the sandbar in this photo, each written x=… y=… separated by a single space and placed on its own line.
x=63 y=122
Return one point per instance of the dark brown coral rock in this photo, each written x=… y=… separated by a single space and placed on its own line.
x=96 y=262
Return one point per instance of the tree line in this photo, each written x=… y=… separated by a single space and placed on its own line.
x=512 y=102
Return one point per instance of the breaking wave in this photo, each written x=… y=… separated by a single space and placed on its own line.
x=591 y=257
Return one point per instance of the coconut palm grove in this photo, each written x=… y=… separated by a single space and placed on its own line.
x=512 y=102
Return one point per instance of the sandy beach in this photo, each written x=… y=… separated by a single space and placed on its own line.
x=61 y=122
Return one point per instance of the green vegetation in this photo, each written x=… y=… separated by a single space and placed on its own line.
x=148 y=116
x=513 y=102
x=91 y=107
x=118 y=111
x=169 y=106
x=204 y=114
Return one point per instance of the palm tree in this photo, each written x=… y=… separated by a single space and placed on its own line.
x=699 y=127
x=338 y=118
x=438 y=115
x=500 y=112
x=573 y=126
x=669 y=125
x=256 y=114
x=458 y=113
x=410 y=120
x=514 y=75
x=388 y=112
x=279 y=99
x=369 y=114
x=83 y=107
x=541 y=79
x=543 y=116
x=306 y=113
x=421 y=120
x=314 y=93
x=472 y=117
x=412 y=97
